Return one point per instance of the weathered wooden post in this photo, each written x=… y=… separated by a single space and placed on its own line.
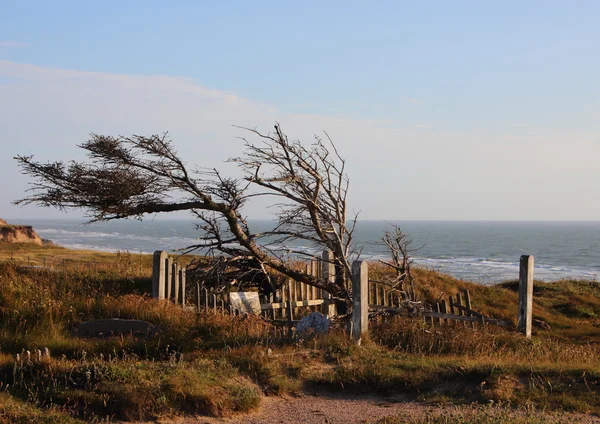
x=467 y=297
x=525 y=295
x=328 y=274
x=182 y=276
x=158 y=274
x=169 y=278
x=360 y=294
x=175 y=283
x=290 y=307
x=198 y=298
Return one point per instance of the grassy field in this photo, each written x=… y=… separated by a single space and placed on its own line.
x=222 y=365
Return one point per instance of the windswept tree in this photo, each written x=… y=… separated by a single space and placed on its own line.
x=399 y=246
x=131 y=177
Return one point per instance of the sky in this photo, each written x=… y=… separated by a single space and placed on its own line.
x=462 y=110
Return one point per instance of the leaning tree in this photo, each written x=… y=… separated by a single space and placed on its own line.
x=130 y=177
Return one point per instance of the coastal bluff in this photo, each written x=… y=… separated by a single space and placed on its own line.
x=20 y=234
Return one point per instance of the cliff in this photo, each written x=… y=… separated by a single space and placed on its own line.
x=19 y=234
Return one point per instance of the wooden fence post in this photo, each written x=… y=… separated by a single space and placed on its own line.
x=175 y=283
x=168 y=277
x=158 y=274
x=360 y=293
x=182 y=276
x=467 y=296
x=328 y=274
x=198 y=299
x=445 y=310
x=525 y=295
x=290 y=308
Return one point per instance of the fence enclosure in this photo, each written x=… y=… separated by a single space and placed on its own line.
x=294 y=299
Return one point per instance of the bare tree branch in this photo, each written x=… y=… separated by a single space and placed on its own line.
x=130 y=177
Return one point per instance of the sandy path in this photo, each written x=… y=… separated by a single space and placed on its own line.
x=337 y=409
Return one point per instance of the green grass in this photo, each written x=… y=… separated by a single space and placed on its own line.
x=220 y=365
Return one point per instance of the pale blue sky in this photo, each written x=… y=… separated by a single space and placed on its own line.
x=479 y=110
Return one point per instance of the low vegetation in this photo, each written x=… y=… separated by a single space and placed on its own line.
x=221 y=365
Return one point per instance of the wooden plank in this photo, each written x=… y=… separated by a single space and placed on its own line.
x=459 y=303
x=213 y=301
x=450 y=317
x=468 y=310
x=467 y=299
x=290 y=308
x=445 y=310
x=283 y=322
x=467 y=318
x=298 y=304
x=284 y=299
x=377 y=295
x=198 y=299
x=383 y=283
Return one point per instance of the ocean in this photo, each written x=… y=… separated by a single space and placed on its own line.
x=487 y=252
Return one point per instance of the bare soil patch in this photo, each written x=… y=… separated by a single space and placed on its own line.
x=334 y=408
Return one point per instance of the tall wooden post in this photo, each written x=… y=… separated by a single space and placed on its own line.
x=360 y=294
x=158 y=274
x=525 y=295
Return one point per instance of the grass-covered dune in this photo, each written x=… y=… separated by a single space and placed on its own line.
x=221 y=365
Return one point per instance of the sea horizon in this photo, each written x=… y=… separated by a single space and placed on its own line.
x=484 y=251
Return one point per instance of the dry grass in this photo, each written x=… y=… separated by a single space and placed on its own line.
x=219 y=365
x=488 y=414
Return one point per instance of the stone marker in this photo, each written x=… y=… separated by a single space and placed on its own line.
x=245 y=302
x=115 y=326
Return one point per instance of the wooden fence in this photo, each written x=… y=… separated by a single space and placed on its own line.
x=294 y=299
x=290 y=302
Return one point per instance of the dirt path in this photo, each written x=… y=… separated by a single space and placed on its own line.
x=338 y=409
